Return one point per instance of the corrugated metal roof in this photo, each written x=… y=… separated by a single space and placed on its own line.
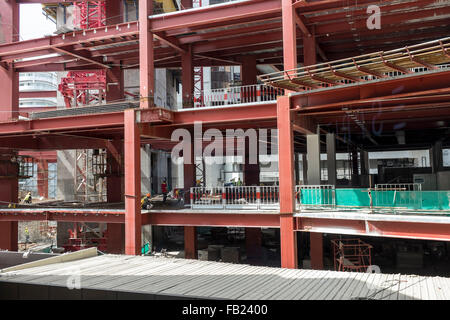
x=215 y=280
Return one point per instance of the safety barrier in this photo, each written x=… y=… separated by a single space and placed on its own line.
x=237 y=95
x=315 y=196
x=237 y=197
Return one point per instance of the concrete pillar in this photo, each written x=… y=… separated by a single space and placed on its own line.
x=355 y=168
x=189 y=172
x=316 y=250
x=364 y=159
x=305 y=168
x=313 y=155
x=146 y=169
x=331 y=159
x=190 y=243
x=253 y=242
x=297 y=168
x=436 y=157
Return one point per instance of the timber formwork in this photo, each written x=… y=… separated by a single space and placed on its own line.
x=278 y=33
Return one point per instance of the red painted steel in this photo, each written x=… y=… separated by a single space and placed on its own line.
x=211 y=219
x=288 y=242
x=316 y=250
x=190 y=243
x=132 y=185
x=146 y=55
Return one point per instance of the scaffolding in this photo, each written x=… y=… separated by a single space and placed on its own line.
x=351 y=255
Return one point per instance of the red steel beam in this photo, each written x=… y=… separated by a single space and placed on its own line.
x=67 y=215
x=146 y=56
x=214 y=14
x=391 y=229
x=211 y=219
x=37 y=94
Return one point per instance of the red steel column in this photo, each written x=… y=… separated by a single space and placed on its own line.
x=9 y=79
x=114 y=11
x=186 y=4
x=115 y=242
x=190 y=242
x=248 y=70
x=146 y=55
x=288 y=236
x=9 y=109
x=114 y=193
x=132 y=184
x=316 y=250
x=289 y=36
x=42 y=178
x=187 y=78
x=189 y=171
x=316 y=239
x=115 y=87
x=253 y=242
x=249 y=77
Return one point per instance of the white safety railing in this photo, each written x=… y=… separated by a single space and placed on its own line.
x=237 y=197
x=315 y=196
x=237 y=95
x=398 y=187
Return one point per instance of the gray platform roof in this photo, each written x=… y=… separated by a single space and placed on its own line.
x=159 y=276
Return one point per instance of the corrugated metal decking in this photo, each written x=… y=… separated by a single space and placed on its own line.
x=214 y=280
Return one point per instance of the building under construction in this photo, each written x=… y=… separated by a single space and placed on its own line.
x=344 y=103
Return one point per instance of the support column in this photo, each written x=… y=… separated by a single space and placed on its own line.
x=146 y=56
x=9 y=190
x=114 y=11
x=186 y=4
x=114 y=193
x=132 y=184
x=187 y=81
x=313 y=149
x=436 y=157
x=189 y=171
x=288 y=235
x=248 y=70
x=355 y=168
x=316 y=250
x=331 y=159
x=251 y=170
x=253 y=242
x=115 y=243
x=190 y=243
x=305 y=168
x=9 y=79
x=42 y=178
x=9 y=110
x=364 y=178
x=115 y=84
x=297 y=168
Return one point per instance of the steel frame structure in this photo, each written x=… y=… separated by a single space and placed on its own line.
x=280 y=33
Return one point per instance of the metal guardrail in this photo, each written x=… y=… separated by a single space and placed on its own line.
x=315 y=196
x=238 y=198
x=237 y=95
